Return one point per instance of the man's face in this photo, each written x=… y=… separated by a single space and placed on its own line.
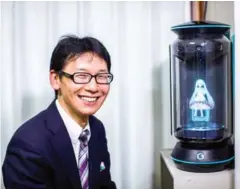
x=82 y=99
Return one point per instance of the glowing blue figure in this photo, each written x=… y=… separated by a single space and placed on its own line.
x=201 y=102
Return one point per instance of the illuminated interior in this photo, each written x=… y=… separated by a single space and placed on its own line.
x=201 y=102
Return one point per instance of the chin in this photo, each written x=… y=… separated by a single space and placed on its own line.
x=88 y=112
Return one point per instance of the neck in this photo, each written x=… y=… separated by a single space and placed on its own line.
x=82 y=120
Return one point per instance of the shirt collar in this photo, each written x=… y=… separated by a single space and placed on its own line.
x=73 y=128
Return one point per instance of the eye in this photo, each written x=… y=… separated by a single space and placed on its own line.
x=82 y=76
x=102 y=76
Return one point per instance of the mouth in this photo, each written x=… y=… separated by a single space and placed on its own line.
x=88 y=99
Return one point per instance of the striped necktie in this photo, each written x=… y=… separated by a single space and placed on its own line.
x=83 y=159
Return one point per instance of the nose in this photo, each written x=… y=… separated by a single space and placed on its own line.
x=92 y=85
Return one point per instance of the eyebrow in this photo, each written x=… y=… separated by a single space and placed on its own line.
x=82 y=69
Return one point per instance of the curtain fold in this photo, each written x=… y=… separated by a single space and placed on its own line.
x=236 y=95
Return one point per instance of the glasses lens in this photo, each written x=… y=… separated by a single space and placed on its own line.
x=104 y=78
x=82 y=78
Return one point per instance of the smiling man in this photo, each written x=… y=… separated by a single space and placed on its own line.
x=65 y=146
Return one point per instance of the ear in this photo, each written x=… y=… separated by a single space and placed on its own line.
x=54 y=80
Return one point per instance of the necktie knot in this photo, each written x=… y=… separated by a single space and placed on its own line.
x=84 y=136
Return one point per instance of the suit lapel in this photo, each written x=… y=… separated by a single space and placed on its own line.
x=62 y=145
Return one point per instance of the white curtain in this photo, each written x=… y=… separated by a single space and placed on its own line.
x=237 y=93
x=136 y=113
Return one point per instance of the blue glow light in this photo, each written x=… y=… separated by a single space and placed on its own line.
x=203 y=163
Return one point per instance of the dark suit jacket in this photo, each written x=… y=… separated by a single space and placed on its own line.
x=40 y=155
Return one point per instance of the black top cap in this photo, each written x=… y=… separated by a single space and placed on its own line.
x=204 y=27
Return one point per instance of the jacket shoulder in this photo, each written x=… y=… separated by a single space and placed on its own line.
x=95 y=122
x=32 y=131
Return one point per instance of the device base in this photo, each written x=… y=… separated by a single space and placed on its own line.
x=202 y=157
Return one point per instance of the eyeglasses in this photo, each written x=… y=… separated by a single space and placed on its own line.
x=84 y=78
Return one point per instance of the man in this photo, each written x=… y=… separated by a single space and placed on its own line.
x=65 y=146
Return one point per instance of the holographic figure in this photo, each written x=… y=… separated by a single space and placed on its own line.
x=201 y=102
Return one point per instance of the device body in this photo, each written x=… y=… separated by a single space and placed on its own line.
x=201 y=96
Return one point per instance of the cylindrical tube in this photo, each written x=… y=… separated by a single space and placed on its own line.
x=201 y=83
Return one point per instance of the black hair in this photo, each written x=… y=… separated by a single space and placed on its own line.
x=70 y=46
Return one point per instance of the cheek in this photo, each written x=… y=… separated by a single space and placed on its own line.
x=70 y=90
x=74 y=88
x=105 y=90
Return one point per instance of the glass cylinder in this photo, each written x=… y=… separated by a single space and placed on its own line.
x=201 y=82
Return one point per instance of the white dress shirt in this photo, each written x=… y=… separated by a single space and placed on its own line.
x=73 y=128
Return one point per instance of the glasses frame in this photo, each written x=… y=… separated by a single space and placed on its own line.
x=71 y=76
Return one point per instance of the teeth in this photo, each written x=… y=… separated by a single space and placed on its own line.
x=89 y=99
